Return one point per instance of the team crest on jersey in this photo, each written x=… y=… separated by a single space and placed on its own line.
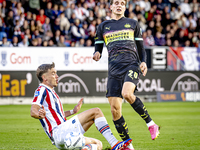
x=37 y=93
x=127 y=25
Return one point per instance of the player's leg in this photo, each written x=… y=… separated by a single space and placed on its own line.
x=136 y=103
x=114 y=87
x=118 y=119
x=95 y=115
x=128 y=89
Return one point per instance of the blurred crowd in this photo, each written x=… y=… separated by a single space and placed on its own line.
x=73 y=23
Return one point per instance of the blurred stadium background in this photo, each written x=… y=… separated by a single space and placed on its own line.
x=171 y=76
x=33 y=32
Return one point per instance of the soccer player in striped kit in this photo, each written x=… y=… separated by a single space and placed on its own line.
x=47 y=107
x=127 y=60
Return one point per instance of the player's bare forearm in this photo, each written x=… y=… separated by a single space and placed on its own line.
x=68 y=113
x=75 y=110
x=143 y=68
x=38 y=112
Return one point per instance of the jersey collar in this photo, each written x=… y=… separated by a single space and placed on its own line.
x=41 y=84
x=118 y=19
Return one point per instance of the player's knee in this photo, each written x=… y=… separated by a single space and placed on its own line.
x=126 y=95
x=115 y=110
x=98 y=111
x=130 y=97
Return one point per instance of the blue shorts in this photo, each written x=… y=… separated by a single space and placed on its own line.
x=115 y=84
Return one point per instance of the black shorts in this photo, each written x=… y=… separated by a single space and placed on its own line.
x=114 y=85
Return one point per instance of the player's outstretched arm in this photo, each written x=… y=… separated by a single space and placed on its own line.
x=75 y=110
x=78 y=106
x=38 y=112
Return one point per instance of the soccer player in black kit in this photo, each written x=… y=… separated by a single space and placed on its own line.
x=127 y=60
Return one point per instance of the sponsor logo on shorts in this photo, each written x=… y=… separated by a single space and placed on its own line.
x=73 y=121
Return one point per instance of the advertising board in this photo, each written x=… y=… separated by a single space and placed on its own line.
x=178 y=96
x=93 y=83
x=28 y=59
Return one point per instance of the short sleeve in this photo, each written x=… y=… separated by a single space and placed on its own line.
x=39 y=96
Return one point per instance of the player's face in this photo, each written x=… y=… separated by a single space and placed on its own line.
x=118 y=7
x=51 y=78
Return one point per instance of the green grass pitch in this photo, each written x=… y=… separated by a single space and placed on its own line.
x=179 y=123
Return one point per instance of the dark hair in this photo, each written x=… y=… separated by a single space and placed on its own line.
x=111 y=2
x=43 y=69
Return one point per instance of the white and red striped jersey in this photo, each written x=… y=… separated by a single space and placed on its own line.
x=54 y=110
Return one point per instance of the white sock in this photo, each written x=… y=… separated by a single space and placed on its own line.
x=130 y=146
x=150 y=123
x=104 y=129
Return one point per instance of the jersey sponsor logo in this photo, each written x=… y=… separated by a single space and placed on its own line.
x=127 y=25
x=122 y=35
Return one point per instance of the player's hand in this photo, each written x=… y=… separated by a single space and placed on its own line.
x=42 y=112
x=96 y=56
x=143 y=68
x=78 y=106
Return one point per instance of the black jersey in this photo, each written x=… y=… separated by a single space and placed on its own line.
x=120 y=38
